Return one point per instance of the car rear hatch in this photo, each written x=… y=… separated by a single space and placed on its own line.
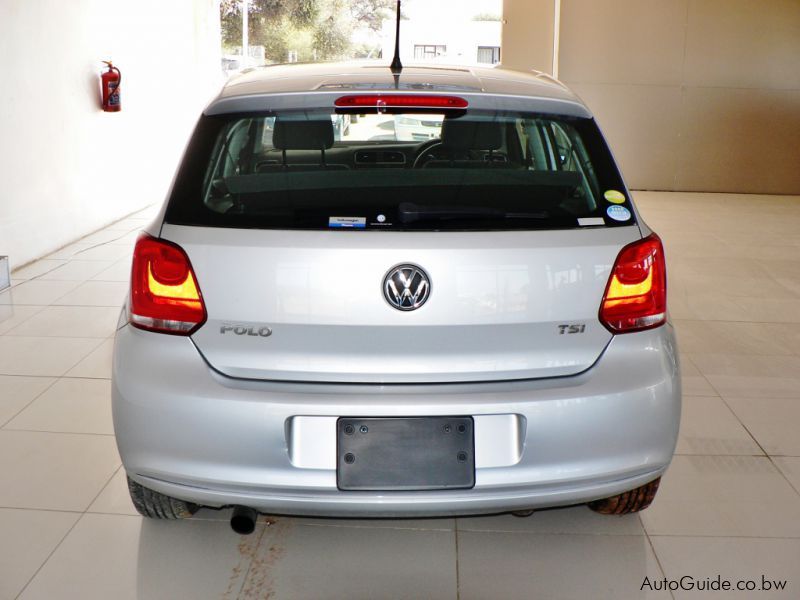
x=514 y=218
x=502 y=305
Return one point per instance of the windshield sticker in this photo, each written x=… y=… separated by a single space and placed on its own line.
x=590 y=221
x=618 y=213
x=614 y=197
x=348 y=222
x=379 y=221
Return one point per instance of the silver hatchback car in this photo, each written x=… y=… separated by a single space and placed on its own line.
x=372 y=326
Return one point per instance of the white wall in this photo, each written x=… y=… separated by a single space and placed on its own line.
x=462 y=38
x=66 y=167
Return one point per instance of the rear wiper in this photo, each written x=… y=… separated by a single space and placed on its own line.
x=409 y=212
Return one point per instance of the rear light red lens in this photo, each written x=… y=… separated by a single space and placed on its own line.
x=636 y=294
x=165 y=296
x=400 y=101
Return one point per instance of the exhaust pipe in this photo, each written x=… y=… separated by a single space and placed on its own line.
x=243 y=520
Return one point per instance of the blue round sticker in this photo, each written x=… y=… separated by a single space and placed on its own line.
x=618 y=213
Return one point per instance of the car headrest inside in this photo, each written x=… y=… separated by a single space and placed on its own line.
x=291 y=134
x=471 y=135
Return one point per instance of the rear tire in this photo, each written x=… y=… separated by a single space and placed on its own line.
x=155 y=505
x=627 y=502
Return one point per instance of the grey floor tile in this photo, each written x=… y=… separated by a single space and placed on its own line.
x=67 y=252
x=790 y=467
x=695 y=560
x=12 y=315
x=28 y=537
x=104 y=236
x=70 y=321
x=120 y=557
x=105 y=252
x=96 y=365
x=37 y=292
x=692 y=380
x=96 y=293
x=733 y=496
x=119 y=271
x=556 y=567
x=770 y=310
x=77 y=270
x=709 y=427
x=43 y=356
x=37 y=269
x=54 y=471
x=329 y=562
x=773 y=422
x=753 y=376
x=18 y=392
x=725 y=337
x=69 y=406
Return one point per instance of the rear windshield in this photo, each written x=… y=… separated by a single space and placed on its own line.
x=465 y=170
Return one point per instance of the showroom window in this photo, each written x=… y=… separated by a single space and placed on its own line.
x=428 y=52
x=489 y=54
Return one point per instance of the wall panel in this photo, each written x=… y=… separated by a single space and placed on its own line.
x=694 y=95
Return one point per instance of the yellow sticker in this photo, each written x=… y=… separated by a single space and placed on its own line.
x=615 y=197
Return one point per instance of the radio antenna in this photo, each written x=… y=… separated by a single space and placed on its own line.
x=397 y=66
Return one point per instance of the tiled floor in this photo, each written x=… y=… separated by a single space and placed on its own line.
x=729 y=505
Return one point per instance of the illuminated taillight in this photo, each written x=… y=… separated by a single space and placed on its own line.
x=636 y=294
x=400 y=101
x=165 y=296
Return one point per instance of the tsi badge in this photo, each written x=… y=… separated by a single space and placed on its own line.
x=580 y=328
x=245 y=330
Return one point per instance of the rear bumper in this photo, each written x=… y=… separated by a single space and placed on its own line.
x=186 y=431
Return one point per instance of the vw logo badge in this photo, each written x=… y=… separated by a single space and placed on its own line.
x=406 y=287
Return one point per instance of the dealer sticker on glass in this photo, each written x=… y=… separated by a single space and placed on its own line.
x=618 y=213
x=614 y=197
x=349 y=222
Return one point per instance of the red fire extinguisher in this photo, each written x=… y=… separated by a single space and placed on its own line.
x=110 y=81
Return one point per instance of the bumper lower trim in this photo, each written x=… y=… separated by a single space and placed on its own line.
x=335 y=503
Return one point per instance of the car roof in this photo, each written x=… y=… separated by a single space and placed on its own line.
x=375 y=76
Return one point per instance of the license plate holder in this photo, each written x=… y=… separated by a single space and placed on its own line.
x=404 y=454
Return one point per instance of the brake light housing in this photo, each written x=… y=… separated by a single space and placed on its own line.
x=165 y=296
x=636 y=294
x=400 y=101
